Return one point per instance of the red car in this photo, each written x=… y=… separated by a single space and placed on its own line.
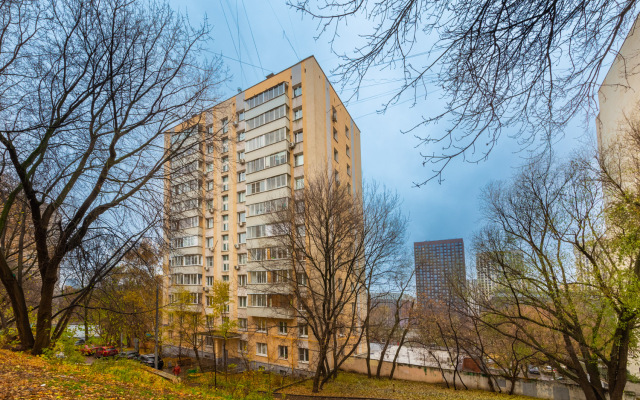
x=89 y=350
x=106 y=351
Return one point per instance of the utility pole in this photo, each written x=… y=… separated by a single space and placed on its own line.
x=157 y=320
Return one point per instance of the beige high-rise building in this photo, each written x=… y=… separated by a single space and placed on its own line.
x=268 y=138
x=619 y=94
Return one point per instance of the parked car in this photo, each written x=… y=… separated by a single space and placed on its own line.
x=89 y=350
x=534 y=370
x=149 y=360
x=79 y=342
x=129 y=355
x=106 y=351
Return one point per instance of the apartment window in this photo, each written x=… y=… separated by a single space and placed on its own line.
x=209 y=167
x=282 y=327
x=242 y=280
x=210 y=242
x=225 y=278
x=298 y=137
x=240 y=116
x=225 y=262
x=225 y=242
x=241 y=155
x=272 y=160
x=298 y=160
x=258 y=300
x=210 y=280
x=225 y=145
x=242 y=237
x=243 y=346
x=348 y=151
x=283 y=352
x=261 y=349
x=348 y=170
x=258 y=276
x=335 y=134
x=225 y=203
x=266 y=139
x=269 y=116
x=301 y=230
x=225 y=164
x=336 y=176
x=225 y=125
x=210 y=205
x=242 y=301
x=268 y=206
x=299 y=184
x=303 y=355
x=225 y=183
x=209 y=185
x=303 y=330
x=240 y=136
x=297 y=91
x=209 y=148
x=242 y=259
x=242 y=324
x=261 y=325
x=225 y=223
x=241 y=197
x=209 y=223
x=195 y=298
x=335 y=155
x=241 y=176
x=346 y=131
x=297 y=114
x=302 y=279
x=242 y=217
x=267 y=95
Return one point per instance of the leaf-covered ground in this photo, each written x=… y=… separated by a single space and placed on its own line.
x=23 y=376
x=349 y=384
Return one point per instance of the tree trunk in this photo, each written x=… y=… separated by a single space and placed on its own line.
x=19 y=306
x=316 y=376
x=215 y=366
x=195 y=350
x=383 y=352
x=43 y=322
x=395 y=358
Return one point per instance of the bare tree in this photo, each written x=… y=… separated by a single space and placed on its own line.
x=89 y=94
x=321 y=230
x=572 y=294
x=526 y=67
x=385 y=228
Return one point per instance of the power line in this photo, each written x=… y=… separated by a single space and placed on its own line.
x=283 y=30
x=255 y=46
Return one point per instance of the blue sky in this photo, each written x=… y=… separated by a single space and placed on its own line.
x=282 y=37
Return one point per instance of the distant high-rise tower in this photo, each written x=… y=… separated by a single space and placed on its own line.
x=439 y=264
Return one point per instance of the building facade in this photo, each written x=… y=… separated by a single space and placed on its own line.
x=496 y=271
x=256 y=150
x=439 y=265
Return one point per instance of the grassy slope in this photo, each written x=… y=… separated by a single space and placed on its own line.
x=24 y=376
x=349 y=384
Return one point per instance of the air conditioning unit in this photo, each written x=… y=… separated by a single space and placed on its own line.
x=292 y=145
x=236 y=267
x=241 y=223
x=205 y=289
x=211 y=210
x=235 y=123
x=212 y=248
x=206 y=268
x=242 y=161
x=237 y=246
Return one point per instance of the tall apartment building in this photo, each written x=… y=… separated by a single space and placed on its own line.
x=619 y=93
x=439 y=264
x=268 y=139
x=491 y=277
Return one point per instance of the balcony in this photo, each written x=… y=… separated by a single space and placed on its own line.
x=272 y=312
